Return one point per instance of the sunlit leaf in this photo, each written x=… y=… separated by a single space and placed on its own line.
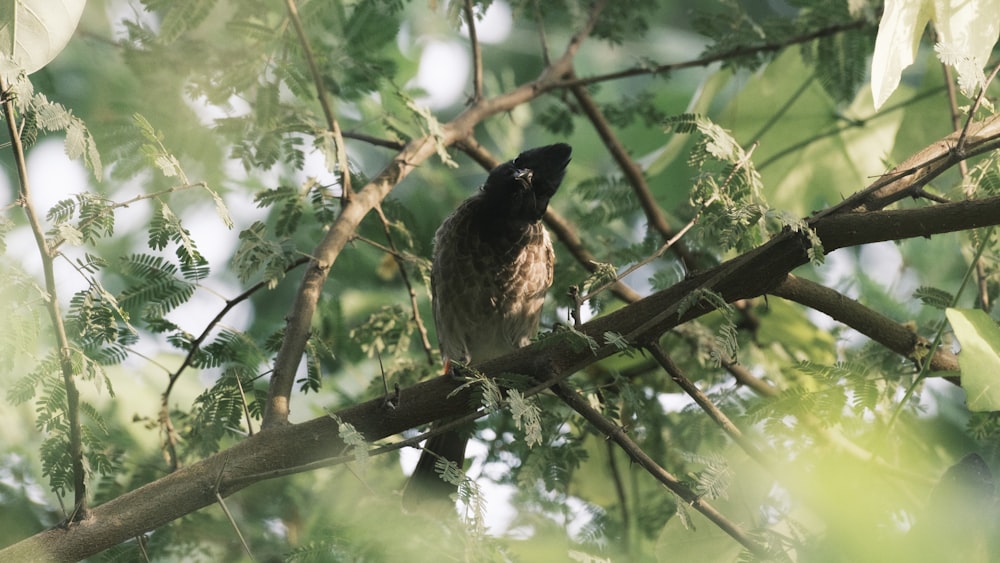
x=33 y=32
x=979 y=359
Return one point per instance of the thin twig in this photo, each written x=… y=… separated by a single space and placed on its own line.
x=939 y=335
x=374 y=141
x=246 y=407
x=743 y=377
x=230 y=304
x=780 y=113
x=617 y=434
x=953 y=111
x=477 y=54
x=687 y=227
x=742 y=51
x=541 y=33
x=659 y=252
x=229 y=515
x=633 y=174
x=838 y=129
x=195 y=347
x=706 y=404
x=616 y=478
x=56 y=243
x=960 y=145
x=981 y=278
x=324 y=102
x=45 y=254
x=401 y=265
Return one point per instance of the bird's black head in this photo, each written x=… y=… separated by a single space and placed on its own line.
x=520 y=189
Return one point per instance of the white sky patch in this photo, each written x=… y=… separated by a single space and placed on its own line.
x=882 y=262
x=53 y=176
x=495 y=26
x=443 y=73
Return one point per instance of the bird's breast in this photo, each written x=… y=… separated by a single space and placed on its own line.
x=488 y=284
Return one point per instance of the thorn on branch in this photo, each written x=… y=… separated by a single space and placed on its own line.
x=574 y=312
x=391 y=402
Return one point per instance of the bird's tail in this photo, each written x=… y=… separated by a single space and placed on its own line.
x=426 y=483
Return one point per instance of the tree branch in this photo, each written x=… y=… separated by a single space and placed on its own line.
x=872 y=324
x=331 y=120
x=477 y=53
x=64 y=352
x=617 y=434
x=919 y=169
x=741 y=51
x=401 y=264
x=706 y=404
x=635 y=176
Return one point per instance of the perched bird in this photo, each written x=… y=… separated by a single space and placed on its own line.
x=491 y=268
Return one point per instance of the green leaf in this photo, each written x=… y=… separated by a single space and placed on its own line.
x=934 y=297
x=980 y=357
x=527 y=417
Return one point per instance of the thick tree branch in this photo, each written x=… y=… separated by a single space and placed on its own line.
x=852 y=229
x=919 y=169
x=872 y=324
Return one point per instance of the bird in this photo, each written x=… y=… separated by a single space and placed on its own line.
x=491 y=268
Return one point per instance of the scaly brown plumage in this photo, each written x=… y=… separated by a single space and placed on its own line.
x=492 y=265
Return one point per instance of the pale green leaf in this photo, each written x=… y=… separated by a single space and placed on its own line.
x=903 y=22
x=979 y=359
x=33 y=32
x=967 y=31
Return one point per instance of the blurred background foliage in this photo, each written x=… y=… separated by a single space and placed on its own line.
x=225 y=90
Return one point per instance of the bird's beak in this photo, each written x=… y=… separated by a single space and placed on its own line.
x=524 y=176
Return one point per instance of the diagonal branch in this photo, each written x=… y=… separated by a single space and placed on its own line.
x=918 y=170
x=706 y=404
x=635 y=176
x=324 y=101
x=617 y=434
x=52 y=305
x=170 y=441
x=874 y=325
x=401 y=264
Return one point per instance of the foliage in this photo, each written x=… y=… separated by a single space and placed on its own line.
x=150 y=305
